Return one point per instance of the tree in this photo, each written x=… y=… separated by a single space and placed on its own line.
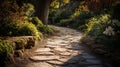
x=42 y=12
x=42 y=8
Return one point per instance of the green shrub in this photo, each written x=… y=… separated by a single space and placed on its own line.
x=104 y=31
x=82 y=28
x=28 y=9
x=29 y=29
x=5 y=49
x=65 y=22
x=97 y=24
x=79 y=20
x=83 y=16
x=10 y=29
x=46 y=29
x=61 y=14
x=37 y=21
x=41 y=27
x=24 y=29
x=76 y=21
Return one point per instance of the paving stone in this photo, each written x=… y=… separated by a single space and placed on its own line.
x=52 y=46
x=60 y=49
x=39 y=64
x=65 y=53
x=44 y=53
x=74 y=53
x=63 y=59
x=57 y=41
x=43 y=49
x=44 y=58
x=51 y=43
x=63 y=44
x=55 y=62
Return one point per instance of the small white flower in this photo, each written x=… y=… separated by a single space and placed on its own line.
x=109 y=31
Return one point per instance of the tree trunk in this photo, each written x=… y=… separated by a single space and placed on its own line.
x=42 y=10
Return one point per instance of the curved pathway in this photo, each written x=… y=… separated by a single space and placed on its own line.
x=64 y=50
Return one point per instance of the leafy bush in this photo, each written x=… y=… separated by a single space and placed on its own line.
x=76 y=21
x=28 y=9
x=37 y=21
x=82 y=28
x=10 y=12
x=5 y=49
x=104 y=31
x=60 y=14
x=41 y=27
x=9 y=29
x=97 y=24
x=13 y=21
x=65 y=22
x=29 y=29
x=82 y=17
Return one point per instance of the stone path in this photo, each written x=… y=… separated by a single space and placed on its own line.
x=64 y=50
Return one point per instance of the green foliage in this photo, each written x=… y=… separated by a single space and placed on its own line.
x=82 y=28
x=5 y=47
x=25 y=29
x=81 y=20
x=76 y=21
x=9 y=29
x=13 y=22
x=65 y=22
x=59 y=3
x=47 y=29
x=28 y=9
x=104 y=31
x=29 y=29
x=97 y=24
x=82 y=17
x=55 y=4
x=56 y=16
x=37 y=21
x=41 y=27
